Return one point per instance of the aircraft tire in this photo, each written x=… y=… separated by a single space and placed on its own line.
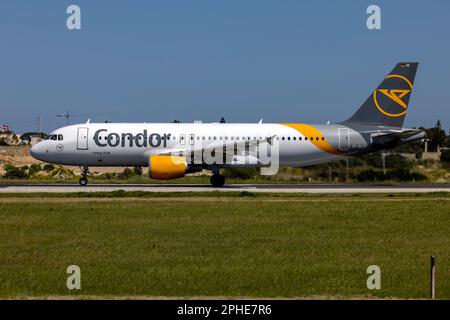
x=83 y=181
x=217 y=180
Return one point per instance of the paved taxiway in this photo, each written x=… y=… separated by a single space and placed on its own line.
x=269 y=188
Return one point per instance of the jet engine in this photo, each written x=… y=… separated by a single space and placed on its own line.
x=169 y=167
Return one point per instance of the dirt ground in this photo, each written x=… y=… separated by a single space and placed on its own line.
x=20 y=156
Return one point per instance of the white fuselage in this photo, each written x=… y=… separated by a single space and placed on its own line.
x=131 y=144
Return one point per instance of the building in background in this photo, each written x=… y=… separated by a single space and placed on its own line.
x=4 y=128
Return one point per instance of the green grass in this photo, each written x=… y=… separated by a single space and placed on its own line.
x=224 y=245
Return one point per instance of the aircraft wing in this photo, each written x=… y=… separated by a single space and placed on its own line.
x=219 y=148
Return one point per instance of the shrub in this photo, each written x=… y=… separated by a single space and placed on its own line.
x=12 y=172
x=240 y=173
x=34 y=168
x=445 y=155
x=400 y=174
x=108 y=176
x=373 y=159
x=48 y=167
x=126 y=174
x=397 y=161
x=137 y=171
x=370 y=175
x=61 y=173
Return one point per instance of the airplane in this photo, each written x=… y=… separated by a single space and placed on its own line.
x=172 y=150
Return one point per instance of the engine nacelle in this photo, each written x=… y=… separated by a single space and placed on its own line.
x=167 y=167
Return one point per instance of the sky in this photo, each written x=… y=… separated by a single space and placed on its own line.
x=156 y=61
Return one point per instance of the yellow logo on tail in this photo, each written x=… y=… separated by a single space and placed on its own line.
x=395 y=95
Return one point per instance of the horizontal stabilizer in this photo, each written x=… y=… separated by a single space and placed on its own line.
x=397 y=136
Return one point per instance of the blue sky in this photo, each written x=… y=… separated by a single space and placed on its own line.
x=155 y=61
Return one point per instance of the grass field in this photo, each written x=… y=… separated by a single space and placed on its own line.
x=238 y=245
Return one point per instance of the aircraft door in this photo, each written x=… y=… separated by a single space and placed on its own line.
x=82 y=140
x=191 y=139
x=344 y=138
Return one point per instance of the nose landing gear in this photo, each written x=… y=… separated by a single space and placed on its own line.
x=83 y=181
x=84 y=173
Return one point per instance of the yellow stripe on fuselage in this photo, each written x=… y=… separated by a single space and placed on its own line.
x=311 y=132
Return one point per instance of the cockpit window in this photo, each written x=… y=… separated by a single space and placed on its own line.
x=55 y=137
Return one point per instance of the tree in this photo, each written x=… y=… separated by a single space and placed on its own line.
x=222 y=120
x=447 y=143
x=436 y=137
x=394 y=161
x=445 y=155
x=28 y=135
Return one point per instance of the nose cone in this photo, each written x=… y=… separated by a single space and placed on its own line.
x=39 y=151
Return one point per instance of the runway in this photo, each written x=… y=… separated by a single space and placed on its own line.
x=260 y=188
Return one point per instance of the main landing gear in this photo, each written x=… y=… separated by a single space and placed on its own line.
x=84 y=173
x=217 y=180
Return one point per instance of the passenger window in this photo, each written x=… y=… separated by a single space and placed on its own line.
x=282 y=138
x=289 y=138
